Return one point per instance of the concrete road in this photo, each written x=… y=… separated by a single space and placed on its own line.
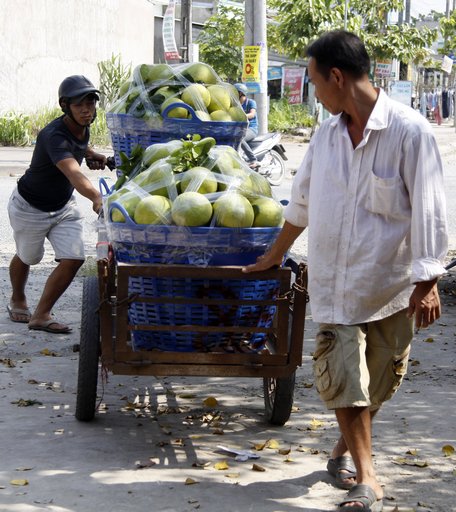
x=154 y=444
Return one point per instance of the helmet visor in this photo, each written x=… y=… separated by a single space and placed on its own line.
x=81 y=97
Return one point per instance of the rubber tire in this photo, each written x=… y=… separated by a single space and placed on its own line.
x=278 y=398
x=89 y=351
x=276 y=177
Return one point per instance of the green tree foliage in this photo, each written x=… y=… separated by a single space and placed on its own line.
x=448 y=31
x=301 y=21
x=221 y=42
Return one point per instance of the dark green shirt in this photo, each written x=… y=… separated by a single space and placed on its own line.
x=44 y=185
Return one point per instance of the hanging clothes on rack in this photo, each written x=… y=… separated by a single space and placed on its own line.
x=445 y=106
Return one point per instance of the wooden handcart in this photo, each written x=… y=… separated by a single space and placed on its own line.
x=106 y=332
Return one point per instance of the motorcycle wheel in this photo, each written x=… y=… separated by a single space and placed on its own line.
x=273 y=167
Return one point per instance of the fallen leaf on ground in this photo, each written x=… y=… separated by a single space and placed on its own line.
x=272 y=444
x=284 y=451
x=410 y=462
x=144 y=464
x=23 y=402
x=232 y=475
x=19 y=482
x=221 y=466
x=191 y=481
x=429 y=340
x=200 y=464
x=8 y=362
x=210 y=401
x=448 y=450
x=47 y=352
x=314 y=424
x=257 y=467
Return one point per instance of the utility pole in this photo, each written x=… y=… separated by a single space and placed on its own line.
x=186 y=30
x=407 y=11
x=255 y=35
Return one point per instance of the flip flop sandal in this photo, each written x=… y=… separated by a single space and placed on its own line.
x=14 y=312
x=46 y=326
x=342 y=468
x=364 y=494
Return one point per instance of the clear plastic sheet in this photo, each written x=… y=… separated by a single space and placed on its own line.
x=191 y=90
x=205 y=214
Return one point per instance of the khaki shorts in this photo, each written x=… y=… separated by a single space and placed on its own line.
x=362 y=365
x=31 y=227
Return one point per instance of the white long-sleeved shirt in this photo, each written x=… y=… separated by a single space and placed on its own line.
x=376 y=214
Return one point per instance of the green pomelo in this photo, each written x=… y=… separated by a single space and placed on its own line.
x=200 y=72
x=129 y=201
x=199 y=179
x=176 y=112
x=232 y=210
x=156 y=152
x=232 y=179
x=219 y=98
x=157 y=179
x=268 y=212
x=237 y=114
x=153 y=210
x=220 y=115
x=234 y=94
x=191 y=209
x=197 y=96
x=255 y=186
x=161 y=95
x=202 y=115
x=155 y=72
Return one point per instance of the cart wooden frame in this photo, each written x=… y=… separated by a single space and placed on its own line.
x=105 y=333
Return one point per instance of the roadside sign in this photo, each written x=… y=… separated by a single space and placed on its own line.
x=293 y=83
x=401 y=90
x=447 y=64
x=254 y=68
x=169 y=40
x=383 y=68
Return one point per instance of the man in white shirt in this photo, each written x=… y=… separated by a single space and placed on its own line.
x=370 y=190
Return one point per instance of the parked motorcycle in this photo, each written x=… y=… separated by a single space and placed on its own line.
x=271 y=154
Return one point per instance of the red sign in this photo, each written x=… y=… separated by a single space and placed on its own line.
x=292 y=84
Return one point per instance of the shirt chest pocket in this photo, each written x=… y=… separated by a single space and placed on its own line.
x=387 y=196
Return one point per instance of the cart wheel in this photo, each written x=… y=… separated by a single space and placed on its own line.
x=278 y=398
x=89 y=351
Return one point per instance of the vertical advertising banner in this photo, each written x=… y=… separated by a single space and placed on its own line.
x=169 y=40
x=293 y=84
x=254 y=67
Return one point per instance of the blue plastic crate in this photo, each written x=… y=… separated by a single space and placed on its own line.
x=127 y=131
x=201 y=246
x=143 y=313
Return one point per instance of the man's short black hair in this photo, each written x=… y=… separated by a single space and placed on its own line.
x=340 y=49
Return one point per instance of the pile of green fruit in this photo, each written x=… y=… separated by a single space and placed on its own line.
x=191 y=183
x=156 y=86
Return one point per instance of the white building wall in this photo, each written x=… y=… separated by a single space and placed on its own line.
x=43 y=41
